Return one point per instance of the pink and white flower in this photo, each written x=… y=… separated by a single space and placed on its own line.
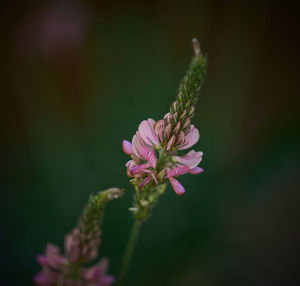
x=147 y=141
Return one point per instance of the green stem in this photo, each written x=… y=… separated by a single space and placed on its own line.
x=129 y=250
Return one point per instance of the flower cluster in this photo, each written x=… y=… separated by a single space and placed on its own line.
x=151 y=139
x=81 y=247
x=155 y=147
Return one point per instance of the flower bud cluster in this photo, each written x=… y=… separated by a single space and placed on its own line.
x=177 y=123
x=81 y=247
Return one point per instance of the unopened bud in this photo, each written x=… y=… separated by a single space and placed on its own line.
x=167 y=131
x=183 y=115
x=160 y=176
x=196 y=46
x=180 y=138
x=171 y=143
x=176 y=129
x=159 y=128
x=174 y=106
x=191 y=111
x=168 y=118
x=186 y=123
x=175 y=117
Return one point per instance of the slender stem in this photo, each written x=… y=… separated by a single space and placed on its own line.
x=129 y=250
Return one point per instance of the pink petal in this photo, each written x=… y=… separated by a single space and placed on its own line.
x=191 y=138
x=145 y=182
x=178 y=188
x=54 y=258
x=107 y=280
x=196 y=171
x=177 y=171
x=146 y=130
x=130 y=165
x=42 y=259
x=41 y=279
x=127 y=147
x=138 y=169
x=191 y=159
x=148 y=155
x=136 y=145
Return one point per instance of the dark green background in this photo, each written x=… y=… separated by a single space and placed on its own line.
x=66 y=107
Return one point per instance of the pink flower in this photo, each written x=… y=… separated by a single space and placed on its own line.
x=147 y=141
x=57 y=269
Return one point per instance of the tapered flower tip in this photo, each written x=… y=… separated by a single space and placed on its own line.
x=178 y=188
x=127 y=147
x=196 y=46
x=196 y=171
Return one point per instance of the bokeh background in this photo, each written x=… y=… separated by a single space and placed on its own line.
x=78 y=77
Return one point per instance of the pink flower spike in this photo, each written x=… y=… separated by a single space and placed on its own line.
x=127 y=147
x=196 y=171
x=146 y=130
x=177 y=171
x=145 y=182
x=191 y=138
x=191 y=159
x=178 y=188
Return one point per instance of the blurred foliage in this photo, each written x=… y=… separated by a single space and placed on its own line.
x=77 y=78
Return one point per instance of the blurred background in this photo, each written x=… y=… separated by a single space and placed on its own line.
x=77 y=77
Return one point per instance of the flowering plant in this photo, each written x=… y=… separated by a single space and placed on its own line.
x=155 y=161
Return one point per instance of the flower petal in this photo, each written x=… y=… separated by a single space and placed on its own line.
x=127 y=147
x=41 y=279
x=136 y=145
x=191 y=159
x=145 y=182
x=148 y=155
x=191 y=138
x=177 y=171
x=196 y=171
x=146 y=130
x=138 y=169
x=178 y=188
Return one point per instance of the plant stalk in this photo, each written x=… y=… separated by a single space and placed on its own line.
x=129 y=250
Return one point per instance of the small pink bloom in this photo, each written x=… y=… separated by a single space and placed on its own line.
x=178 y=188
x=127 y=147
x=191 y=138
